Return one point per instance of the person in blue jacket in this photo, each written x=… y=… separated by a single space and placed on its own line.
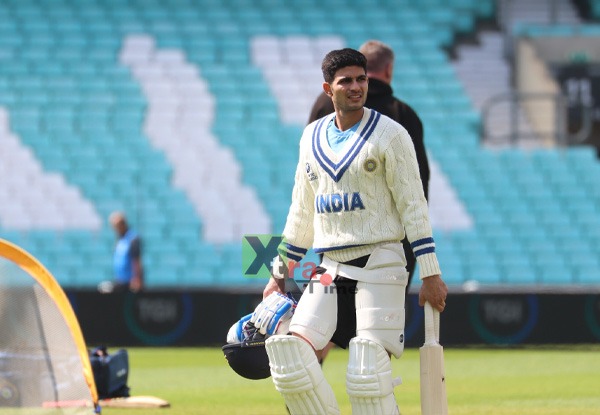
x=127 y=257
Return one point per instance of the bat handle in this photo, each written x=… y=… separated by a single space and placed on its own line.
x=432 y=325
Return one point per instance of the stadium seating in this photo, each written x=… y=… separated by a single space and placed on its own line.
x=186 y=114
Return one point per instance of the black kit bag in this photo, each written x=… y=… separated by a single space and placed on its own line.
x=110 y=372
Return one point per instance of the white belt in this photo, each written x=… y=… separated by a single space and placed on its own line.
x=386 y=265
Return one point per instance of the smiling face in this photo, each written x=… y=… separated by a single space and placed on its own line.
x=348 y=91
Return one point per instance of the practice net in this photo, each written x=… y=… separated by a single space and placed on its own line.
x=44 y=364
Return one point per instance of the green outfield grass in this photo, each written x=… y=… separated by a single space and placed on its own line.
x=531 y=381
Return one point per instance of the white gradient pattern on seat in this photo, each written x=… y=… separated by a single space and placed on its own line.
x=179 y=119
x=446 y=211
x=32 y=198
x=292 y=67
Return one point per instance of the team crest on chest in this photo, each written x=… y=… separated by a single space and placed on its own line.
x=370 y=165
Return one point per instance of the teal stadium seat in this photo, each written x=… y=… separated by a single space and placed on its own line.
x=518 y=271
x=483 y=268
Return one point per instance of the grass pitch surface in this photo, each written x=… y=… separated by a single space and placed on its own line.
x=531 y=381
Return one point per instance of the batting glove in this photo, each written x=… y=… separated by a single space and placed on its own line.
x=272 y=311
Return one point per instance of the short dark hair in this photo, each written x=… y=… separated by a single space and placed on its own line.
x=341 y=58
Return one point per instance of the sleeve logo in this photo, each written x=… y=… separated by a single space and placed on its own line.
x=311 y=174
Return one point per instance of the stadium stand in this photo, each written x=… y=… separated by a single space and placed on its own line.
x=187 y=113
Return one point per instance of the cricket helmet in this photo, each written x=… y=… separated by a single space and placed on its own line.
x=248 y=359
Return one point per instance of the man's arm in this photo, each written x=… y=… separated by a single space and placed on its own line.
x=411 y=121
x=137 y=279
x=406 y=187
x=274 y=285
x=422 y=159
x=299 y=227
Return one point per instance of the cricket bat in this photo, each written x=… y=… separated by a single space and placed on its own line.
x=135 y=402
x=433 y=378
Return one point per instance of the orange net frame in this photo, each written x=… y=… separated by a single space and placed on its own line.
x=44 y=363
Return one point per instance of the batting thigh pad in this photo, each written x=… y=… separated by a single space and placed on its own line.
x=297 y=375
x=369 y=379
x=315 y=318
x=380 y=315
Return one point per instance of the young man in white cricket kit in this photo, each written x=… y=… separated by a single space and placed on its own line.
x=357 y=192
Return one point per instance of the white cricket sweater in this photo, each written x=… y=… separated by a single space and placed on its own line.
x=369 y=193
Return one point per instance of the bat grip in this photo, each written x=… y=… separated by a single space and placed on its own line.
x=432 y=325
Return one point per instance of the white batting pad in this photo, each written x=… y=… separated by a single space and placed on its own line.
x=369 y=379
x=315 y=317
x=380 y=315
x=297 y=375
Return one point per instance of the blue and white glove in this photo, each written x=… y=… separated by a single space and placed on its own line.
x=237 y=332
x=274 y=313
x=272 y=316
